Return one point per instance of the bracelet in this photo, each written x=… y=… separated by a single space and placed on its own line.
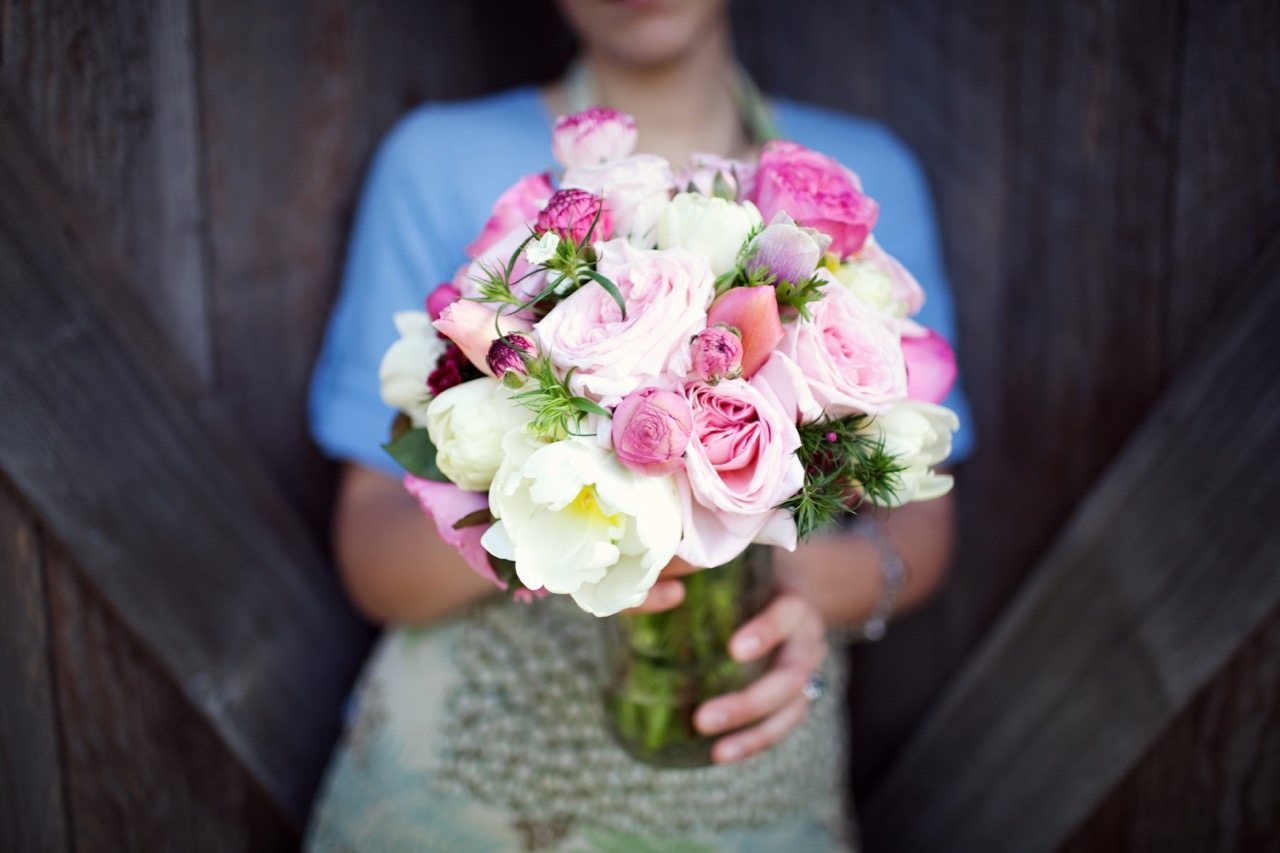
x=894 y=572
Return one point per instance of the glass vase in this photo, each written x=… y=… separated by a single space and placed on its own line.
x=659 y=667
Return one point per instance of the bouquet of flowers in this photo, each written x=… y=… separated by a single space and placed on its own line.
x=639 y=363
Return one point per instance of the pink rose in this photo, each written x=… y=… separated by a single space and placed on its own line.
x=666 y=294
x=472 y=326
x=850 y=354
x=444 y=295
x=817 y=192
x=572 y=213
x=651 y=430
x=740 y=464
x=636 y=189
x=738 y=175
x=518 y=205
x=717 y=354
x=753 y=311
x=595 y=135
x=931 y=364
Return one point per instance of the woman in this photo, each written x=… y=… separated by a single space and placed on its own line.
x=477 y=723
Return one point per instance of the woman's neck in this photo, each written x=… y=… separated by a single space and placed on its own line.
x=684 y=106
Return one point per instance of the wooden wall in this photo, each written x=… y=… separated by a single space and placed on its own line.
x=1106 y=173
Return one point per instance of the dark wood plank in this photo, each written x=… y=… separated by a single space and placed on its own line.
x=206 y=566
x=1166 y=569
x=144 y=771
x=1212 y=781
x=32 y=811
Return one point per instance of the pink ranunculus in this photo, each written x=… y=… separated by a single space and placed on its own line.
x=717 y=354
x=515 y=208
x=740 y=464
x=472 y=326
x=666 y=294
x=444 y=295
x=931 y=363
x=788 y=251
x=850 y=354
x=636 y=189
x=571 y=214
x=753 y=311
x=650 y=430
x=739 y=175
x=445 y=503
x=817 y=192
x=593 y=136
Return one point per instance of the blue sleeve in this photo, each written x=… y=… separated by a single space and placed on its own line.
x=908 y=230
x=400 y=248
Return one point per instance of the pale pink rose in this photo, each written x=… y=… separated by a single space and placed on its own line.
x=444 y=295
x=651 y=430
x=850 y=354
x=753 y=311
x=445 y=503
x=572 y=213
x=817 y=192
x=788 y=251
x=739 y=175
x=740 y=464
x=781 y=380
x=516 y=207
x=595 y=135
x=716 y=352
x=472 y=326
x=636 y=189
x=666 y=294
x=931 y=363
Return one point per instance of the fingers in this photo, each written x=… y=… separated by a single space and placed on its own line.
x=746 y=743
x=663 y=595
x=679 y=568
x=785 y=616
x=772 y=692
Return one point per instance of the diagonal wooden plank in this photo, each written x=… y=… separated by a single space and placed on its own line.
x=1164 y=571
x=169 y=517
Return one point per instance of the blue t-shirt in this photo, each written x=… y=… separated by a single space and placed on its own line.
x=428 y=194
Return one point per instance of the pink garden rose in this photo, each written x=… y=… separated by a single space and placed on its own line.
x=593 y=136
x=717 y=354
x=518 y=205
x=571 y=214
x=740 y=464
x=636 y=189
x=666 y=294
x=817 y=192
x=650 y=430
x=850 y=354
x=931 y=364
x=753 y=311
x=471 y=326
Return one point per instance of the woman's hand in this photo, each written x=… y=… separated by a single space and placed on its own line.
x=668 y=591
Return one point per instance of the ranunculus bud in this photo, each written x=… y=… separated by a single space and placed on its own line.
x=593 y=136
x=506 y=358
x=651 y=429
x=753 y=311
x=788 y=251
x=717 y=353
x=474 y=326
x=570 y=213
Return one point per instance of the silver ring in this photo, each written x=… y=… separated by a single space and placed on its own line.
x=815 y=688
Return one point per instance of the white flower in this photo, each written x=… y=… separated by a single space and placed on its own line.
x=636 y=188
x=869 y=283
x=714 y=227
x=574 y=520
x=407 y=364
x=918 y=436
x=466 y=423
x=539 y=251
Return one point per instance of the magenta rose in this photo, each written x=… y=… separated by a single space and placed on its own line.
x=442 y=297
x=817 y=192
x=850 y=354
x=518 y=205
x=593 y=136
x=651 y=430
x=740 y=464
x=571 y=213
x=931 y=364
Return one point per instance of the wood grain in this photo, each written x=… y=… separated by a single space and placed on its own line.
x=1156 y=582
x=33 y=813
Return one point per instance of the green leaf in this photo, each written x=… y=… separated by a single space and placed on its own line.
x=582 y=404
x=611 y=288
x=474 y=519
x=415 y=452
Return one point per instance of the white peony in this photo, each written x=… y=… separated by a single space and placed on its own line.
x=407 y=364
x=918 y=436
x=713 y=227
x=636 y=188
x=466 y=423
x=576 y=521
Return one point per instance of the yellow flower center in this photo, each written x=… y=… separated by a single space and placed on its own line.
x=588 y=505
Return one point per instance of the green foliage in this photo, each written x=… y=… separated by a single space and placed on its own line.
x=557 y=411
x=413 y=449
